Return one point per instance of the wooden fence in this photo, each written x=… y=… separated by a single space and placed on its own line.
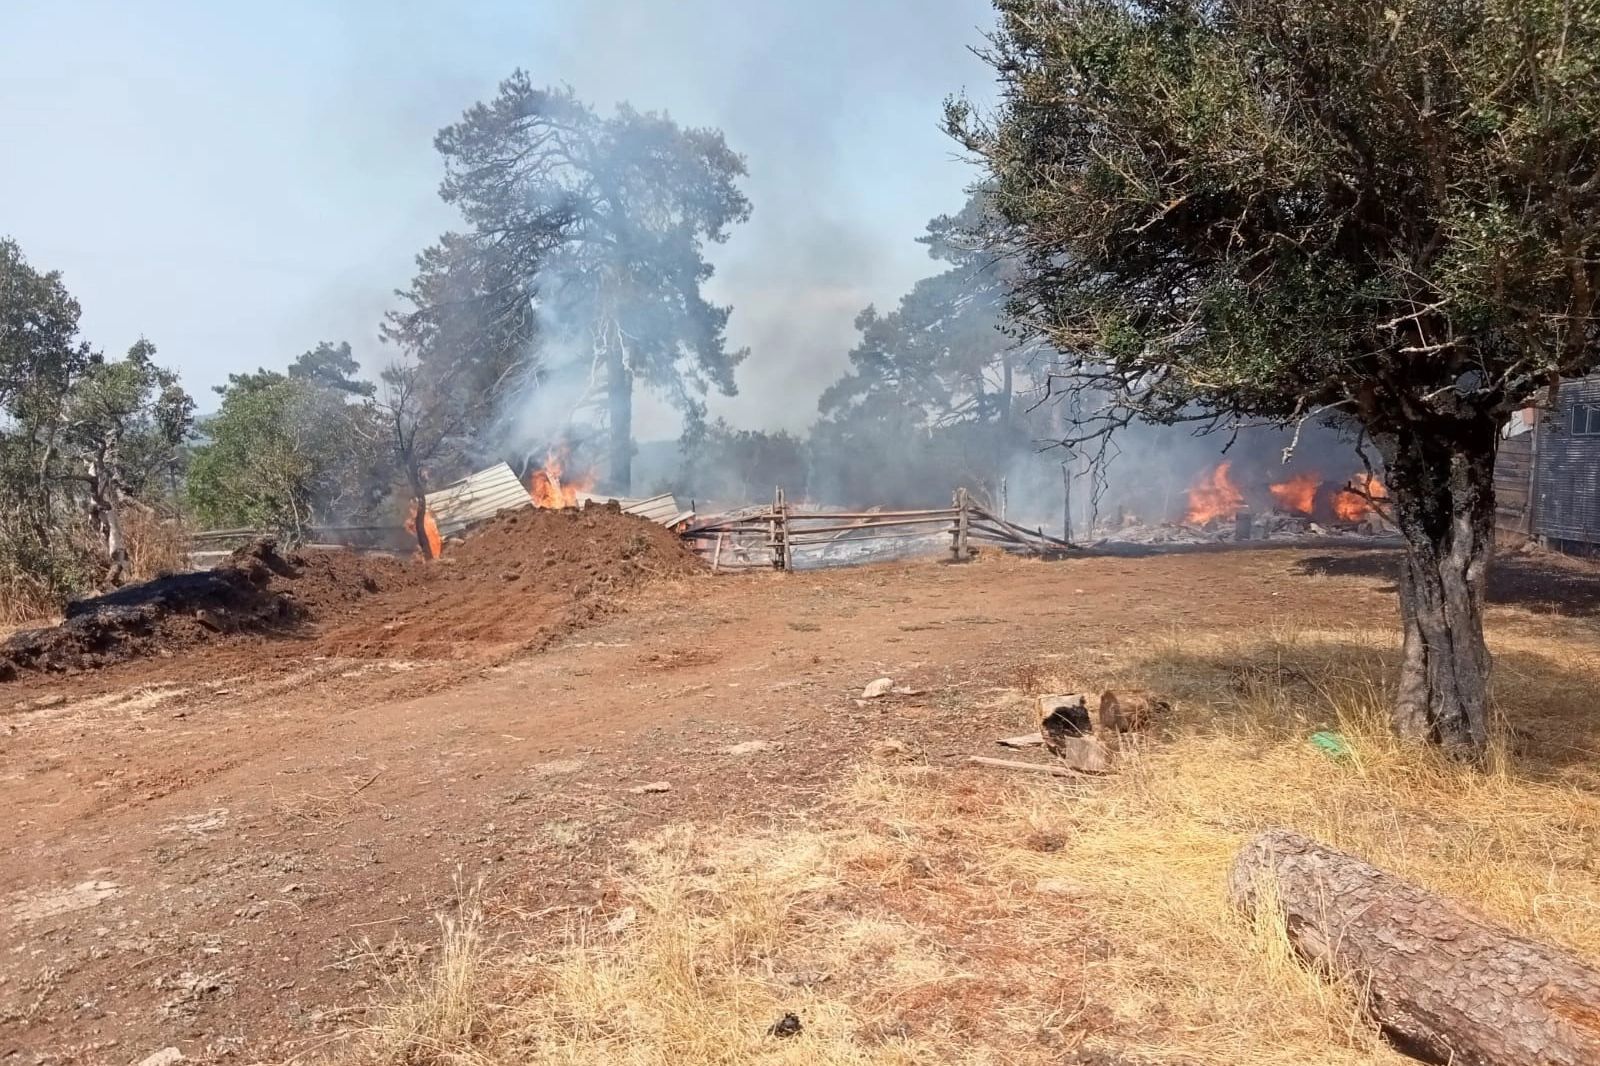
x=770 y=537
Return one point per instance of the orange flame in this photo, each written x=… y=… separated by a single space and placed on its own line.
x=1297 y=495
x=1214 y=496
x=1352 y=504
x=430 y=528
x=547 y=487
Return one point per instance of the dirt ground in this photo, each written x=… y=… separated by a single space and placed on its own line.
x=227 y=853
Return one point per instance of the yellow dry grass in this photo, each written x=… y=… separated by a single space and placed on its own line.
x=964 y=916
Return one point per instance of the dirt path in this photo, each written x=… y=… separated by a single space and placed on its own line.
x=231 y=865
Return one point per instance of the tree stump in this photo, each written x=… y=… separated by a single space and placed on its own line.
x=1446 y=984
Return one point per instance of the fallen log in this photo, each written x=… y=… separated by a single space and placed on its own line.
x=1446 y=984
x=1053 y=769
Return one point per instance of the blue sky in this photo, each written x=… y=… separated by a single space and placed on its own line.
x=238 y=182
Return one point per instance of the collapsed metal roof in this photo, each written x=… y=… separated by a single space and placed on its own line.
x=488 y=492
x=476 y=498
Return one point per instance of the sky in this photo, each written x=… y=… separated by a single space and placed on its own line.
x=239 y=182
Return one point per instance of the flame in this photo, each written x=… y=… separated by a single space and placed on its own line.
x=1352 y=504
x=1298 y=494
x=431 y=528
x=1214 y=496
x=548 y=488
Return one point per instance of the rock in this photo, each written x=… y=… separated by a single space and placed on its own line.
x=889 y=749
x=787 y=1026
x=749 y=747
x=878 y=689
x=167 y=1056
x=628 y=916
x=652 y=787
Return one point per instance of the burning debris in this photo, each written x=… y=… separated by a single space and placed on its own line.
x=1217 y=508
x=548 y=487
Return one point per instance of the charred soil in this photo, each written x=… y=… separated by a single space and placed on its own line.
x=512 y=584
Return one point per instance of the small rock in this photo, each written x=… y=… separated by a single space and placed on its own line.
x=890 y=749
x=628 y=916
x=787 y=1026
x=654 y=786
x=878 y=689
x=749 y=747
x=167 y=1056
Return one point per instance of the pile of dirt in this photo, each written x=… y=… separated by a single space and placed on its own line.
x=516 y=582
x=256 y=593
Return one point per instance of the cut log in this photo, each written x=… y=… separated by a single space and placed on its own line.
x=1053 y=769
x=1445 y=983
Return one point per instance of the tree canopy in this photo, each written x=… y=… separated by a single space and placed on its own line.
x=1235 y=210
x=82 y=439
x=598 y=224
x=289 y=450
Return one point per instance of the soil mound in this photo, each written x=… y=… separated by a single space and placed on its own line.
x=515 y=582
x=256 y=593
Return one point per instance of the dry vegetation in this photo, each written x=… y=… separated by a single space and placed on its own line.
x=958 y=916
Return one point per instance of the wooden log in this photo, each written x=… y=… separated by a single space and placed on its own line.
x=1447 y=984
x=1053 y=769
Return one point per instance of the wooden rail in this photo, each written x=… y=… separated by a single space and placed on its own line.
x=769 y=538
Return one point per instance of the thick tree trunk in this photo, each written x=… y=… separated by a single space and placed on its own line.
x=1441 y=490
x=1446 y=984
x=619 y=402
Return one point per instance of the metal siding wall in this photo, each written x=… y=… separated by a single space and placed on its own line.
x=1569 y=471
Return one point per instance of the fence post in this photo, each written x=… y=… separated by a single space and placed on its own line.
x=958 y=548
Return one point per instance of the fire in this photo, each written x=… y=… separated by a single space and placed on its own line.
x=431 y=529
x=1353 y=504
x=1214 y=496
x=548 y=488
x=1297 y=495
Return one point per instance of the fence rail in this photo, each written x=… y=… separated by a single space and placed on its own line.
x=769 y=538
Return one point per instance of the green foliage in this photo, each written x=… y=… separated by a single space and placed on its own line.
x=82 y=439
x=1263 y=209
x=286 y=451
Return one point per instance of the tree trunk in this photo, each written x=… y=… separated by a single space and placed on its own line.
x=1441 y=489
x=619 y=403
x=419 y=516
x=1446 y=984
x=103 y=508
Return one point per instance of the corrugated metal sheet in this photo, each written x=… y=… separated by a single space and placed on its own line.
x=473 y=499
x=662 y=510
x=1568 y=506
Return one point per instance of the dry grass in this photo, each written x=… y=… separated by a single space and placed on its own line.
x=962 y=916
x=157 y=545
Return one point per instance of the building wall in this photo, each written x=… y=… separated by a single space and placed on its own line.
x=1567 y=494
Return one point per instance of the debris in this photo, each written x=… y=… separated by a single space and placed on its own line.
x=627 y=917
x=787 y=1026
x=906 y=690
x=1037 y=767
x=1031 y=740
x=890 y=748
x=167 y=1056
x=1130 y=710
x=208 y=619
x=47 y=904
x=877 y=689
x=749 y=747
x=1088 y=754
x=1332 y=745
x=1063 y=717
x=654 y=786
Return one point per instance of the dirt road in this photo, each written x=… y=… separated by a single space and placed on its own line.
x=232 y=864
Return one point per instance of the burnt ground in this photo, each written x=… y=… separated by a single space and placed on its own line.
x=228 y=849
